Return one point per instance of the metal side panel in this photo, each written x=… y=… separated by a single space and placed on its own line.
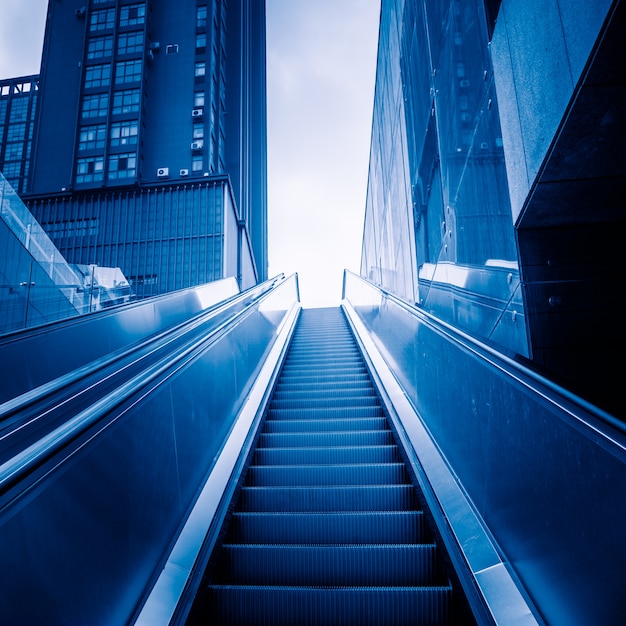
x=462 y=529
x=165 y=596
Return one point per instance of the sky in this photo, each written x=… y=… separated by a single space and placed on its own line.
x=321 y=64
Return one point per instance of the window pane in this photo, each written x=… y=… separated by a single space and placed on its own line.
x=97 y=75
x=132 y=14
x=122 y=166
x=95 y=105
x=92 y=137
x=128 y=71
x=90 y=169
x=102 y=19
x=100 y=47
x=124 y=133
x=126 y=101
x=129 y=43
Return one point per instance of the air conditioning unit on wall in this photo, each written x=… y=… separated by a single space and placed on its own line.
x=197 y=113
x=197 y=145
x=163 y=172
x=184 y=172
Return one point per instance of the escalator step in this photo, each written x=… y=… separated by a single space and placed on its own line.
x=336 y=565
x=323 y=413
x=308 y=456
x=363 y=606
x=319 y=499
x=322 y=377
x=316 y=475
x=329 y=528
x=325 y=425
x=322 y=401
x=335 y=356
x=331 y=385
x=326 y=391
x=309 y=440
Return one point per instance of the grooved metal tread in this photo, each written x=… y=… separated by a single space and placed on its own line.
x=326 y=528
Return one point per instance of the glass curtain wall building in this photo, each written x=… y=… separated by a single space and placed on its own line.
x=18 y=106
x=482 y=206
x=150 y=143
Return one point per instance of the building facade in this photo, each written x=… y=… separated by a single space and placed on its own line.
x=150 y=143
x=18 y=107
x=493 y=196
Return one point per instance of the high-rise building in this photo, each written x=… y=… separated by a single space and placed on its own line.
x=18 y=106
x=496 y=174
x=150 y=142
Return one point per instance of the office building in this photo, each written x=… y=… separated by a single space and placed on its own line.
x=150 y=143
x=18 y=106
x=494 y=196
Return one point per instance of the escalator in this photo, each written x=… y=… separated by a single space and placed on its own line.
x=327 y=526
x=198 y=460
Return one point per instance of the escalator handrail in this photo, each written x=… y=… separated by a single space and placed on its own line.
x=65 y=380
x=169 y=601
x=577 y=408
x=20 y=465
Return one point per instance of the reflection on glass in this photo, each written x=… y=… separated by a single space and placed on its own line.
x=438 y=227
x=37 y=285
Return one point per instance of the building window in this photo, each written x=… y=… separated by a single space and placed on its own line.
x=198 y=99
x=90 y=169
x=198 y=131
x=19 y=109
x=148 y=279
x=127 y=101
x=72 y=228
x=129 y=43
x=201 y=43
x=122 y=166
x=12 y=169
x=97 y=75
x=196 y=163
x=16 y=132
x=128 y=71
x=102 y=19
x=92 y=137
x=100 y=47
x=14 y=151
x=200 y=68
x=132 y=14
x=201 y=17
x=95 y=105
x=124 y=133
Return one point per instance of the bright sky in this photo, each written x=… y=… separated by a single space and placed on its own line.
x=321 y=62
